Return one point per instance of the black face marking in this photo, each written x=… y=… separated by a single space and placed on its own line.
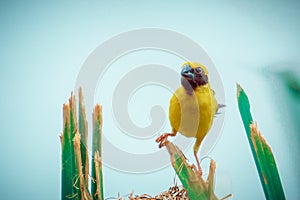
x=191 y=78
x=200 y=77
x=188 y=85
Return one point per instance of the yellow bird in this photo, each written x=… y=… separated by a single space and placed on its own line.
x=192 y=106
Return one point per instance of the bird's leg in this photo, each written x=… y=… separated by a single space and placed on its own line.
x=196 y=148
x=199 y=171
x=163 y=138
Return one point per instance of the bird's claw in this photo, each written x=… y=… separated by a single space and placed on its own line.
x=162 y=140
x=197 y=171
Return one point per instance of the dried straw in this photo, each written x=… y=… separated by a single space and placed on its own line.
x=175 y=193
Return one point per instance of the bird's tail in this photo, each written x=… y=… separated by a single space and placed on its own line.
x=219 y=106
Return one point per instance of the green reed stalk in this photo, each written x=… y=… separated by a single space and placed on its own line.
x=261 y=151
x=97 y=182
x=197 y=188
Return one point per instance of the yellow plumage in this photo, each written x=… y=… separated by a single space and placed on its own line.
x=195 y=112
x=192 y=110
x=192 y=114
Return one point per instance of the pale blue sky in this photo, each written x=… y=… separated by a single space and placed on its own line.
x=44 y=44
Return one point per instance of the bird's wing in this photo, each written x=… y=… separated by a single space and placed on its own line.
x=218 y=106
x=213 y=101
x=174 y=113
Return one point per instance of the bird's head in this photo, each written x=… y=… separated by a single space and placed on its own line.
x=193 y=74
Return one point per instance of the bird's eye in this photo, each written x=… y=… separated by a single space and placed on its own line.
x=199 y=70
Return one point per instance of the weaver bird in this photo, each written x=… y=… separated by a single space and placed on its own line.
x=192 y=106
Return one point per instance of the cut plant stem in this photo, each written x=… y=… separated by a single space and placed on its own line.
x=261 y=151
x=97 y=185
x=66 y=173
x=83 y=131
x=99 y=176
x=73 y=129
x=75 y=168
x=84 y=194
x=197 y=188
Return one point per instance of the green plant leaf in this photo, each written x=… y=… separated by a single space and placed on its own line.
x=261 y=151
x=83 y=131
x=97 y=182
x=197 y=188
x=66 y=173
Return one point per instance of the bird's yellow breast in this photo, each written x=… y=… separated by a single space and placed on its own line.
x=192 y=115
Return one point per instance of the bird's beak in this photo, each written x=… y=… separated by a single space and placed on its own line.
x=187 y=73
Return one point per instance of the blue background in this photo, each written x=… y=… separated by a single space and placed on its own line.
x=43 y=45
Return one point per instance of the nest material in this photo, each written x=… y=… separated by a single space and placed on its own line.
x=174 y=193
